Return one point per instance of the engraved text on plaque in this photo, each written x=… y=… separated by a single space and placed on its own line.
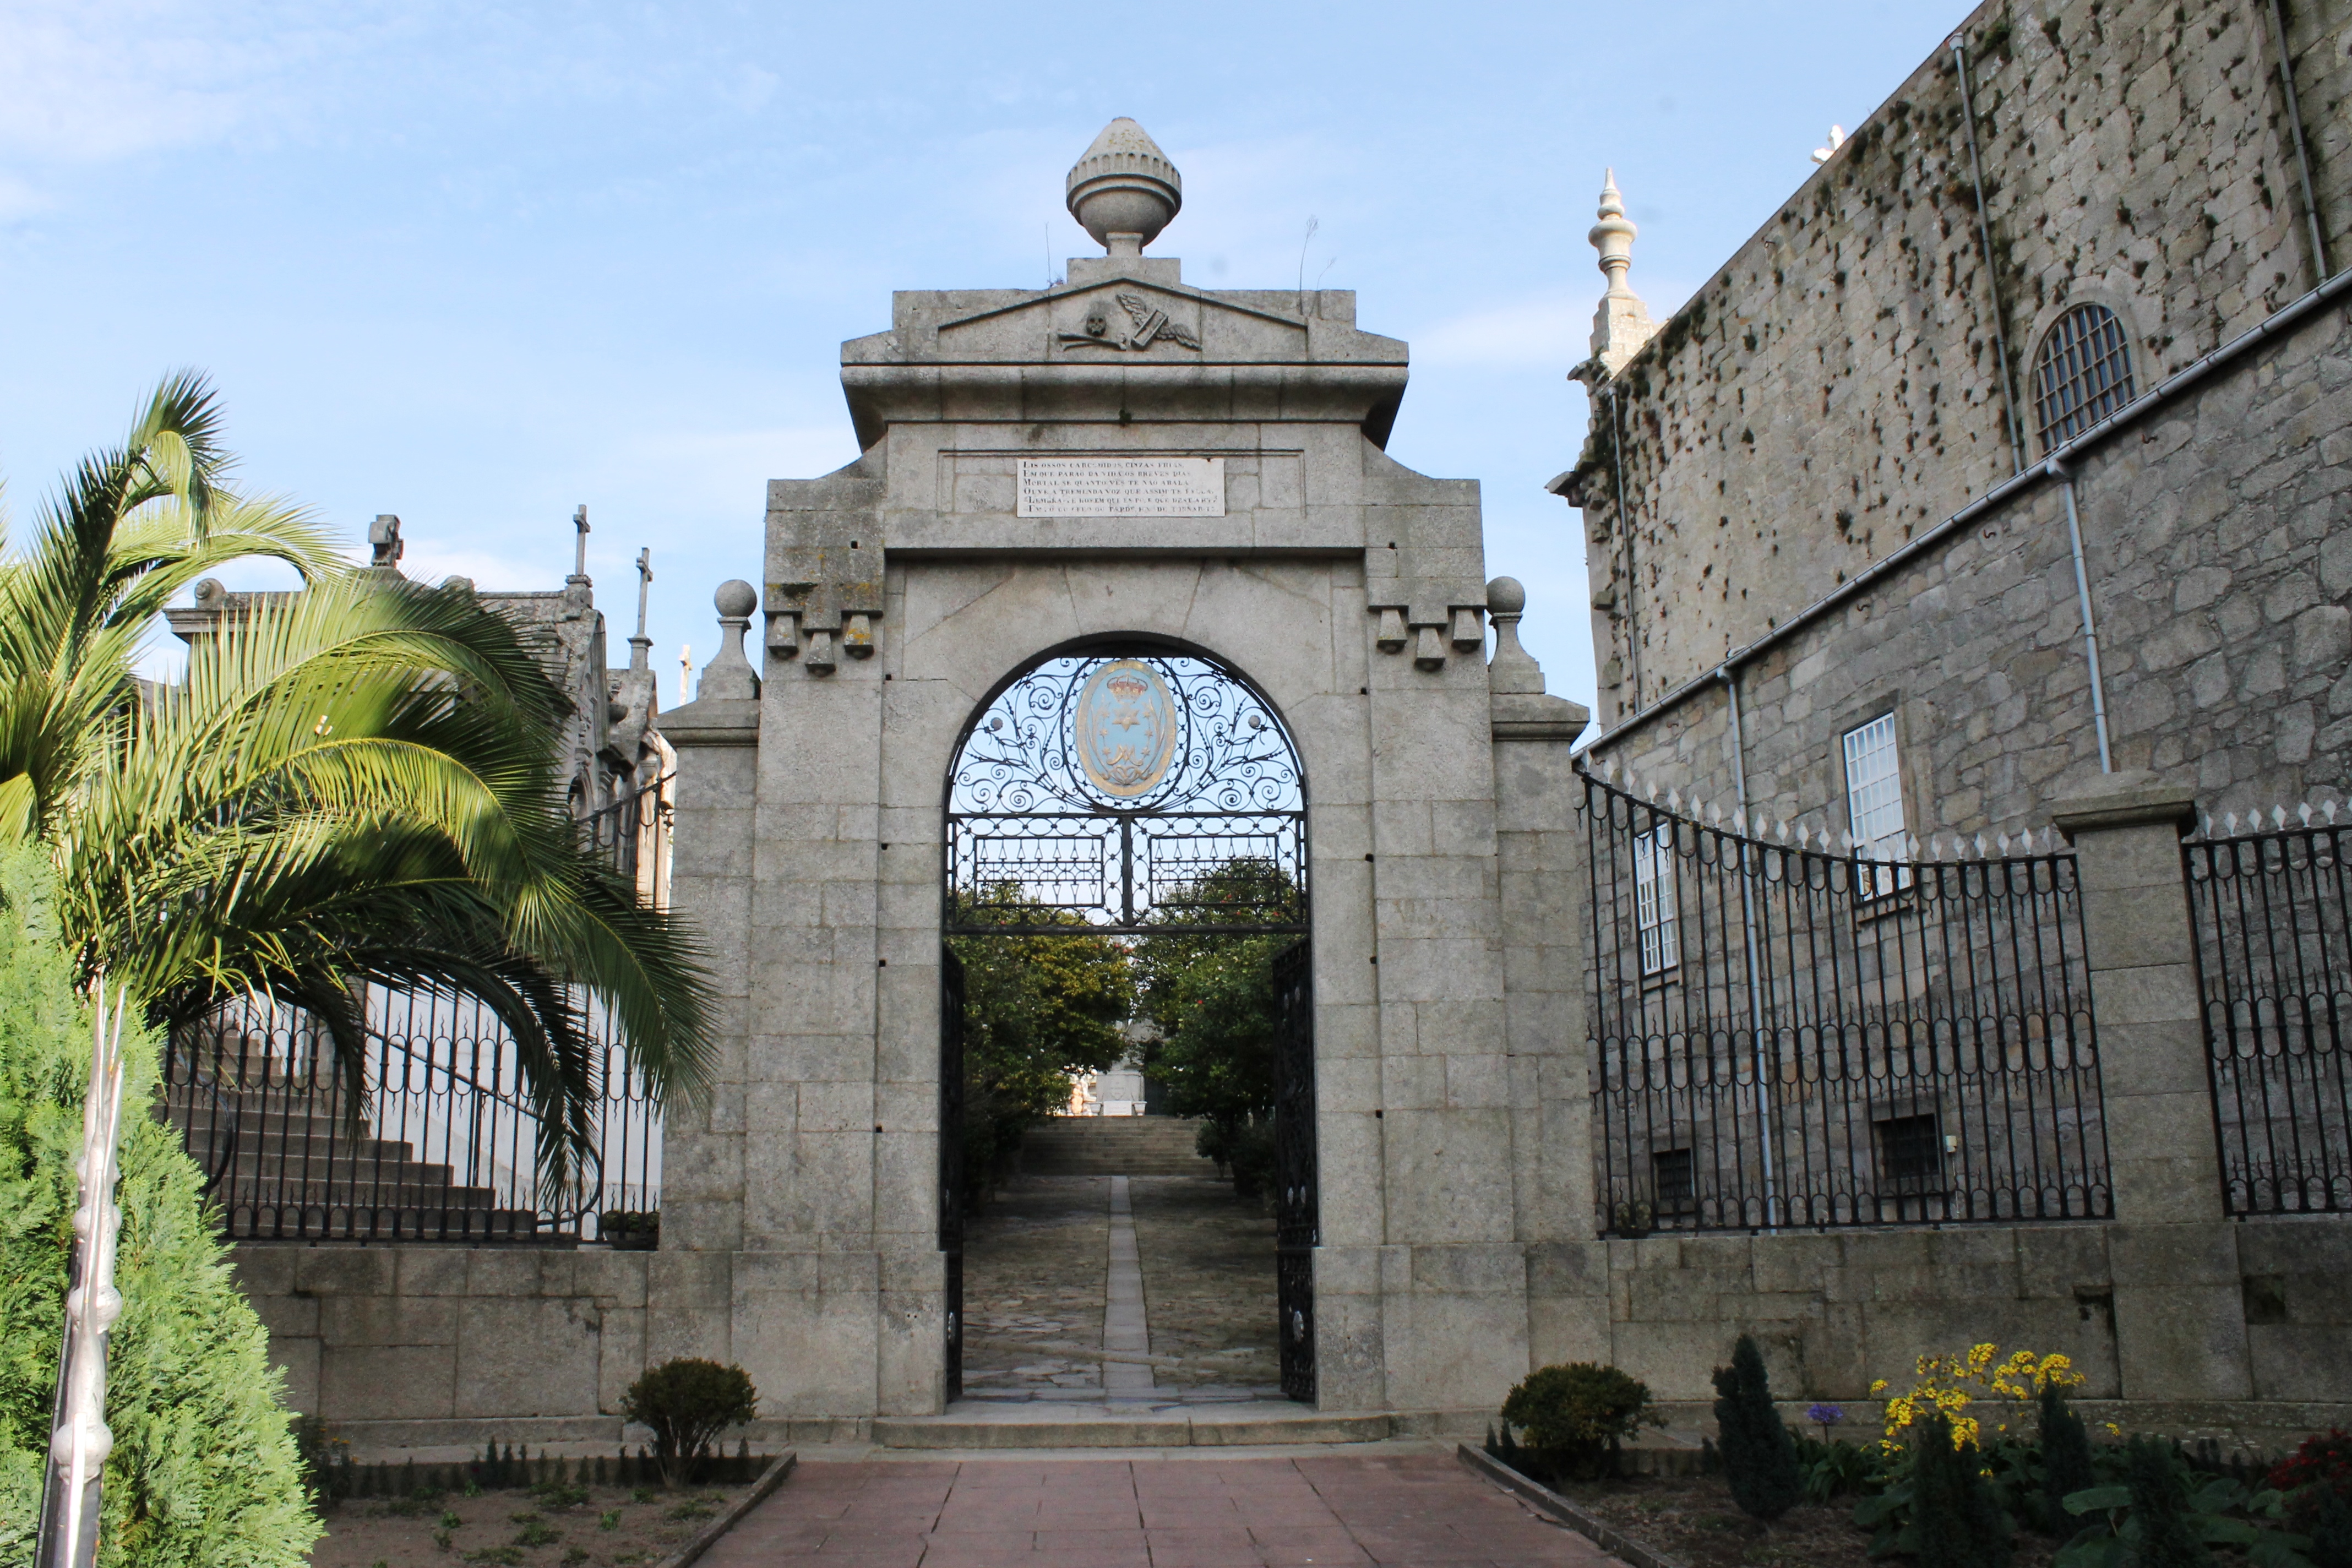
x=1122 y=487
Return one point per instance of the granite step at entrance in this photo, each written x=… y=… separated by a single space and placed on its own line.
x=1115 y=1146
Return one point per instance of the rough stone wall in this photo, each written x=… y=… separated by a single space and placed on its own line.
x=1837 y=386
x=2219 y=541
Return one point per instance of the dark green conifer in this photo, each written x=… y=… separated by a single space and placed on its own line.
x=2065 y=1461
x=2160 y=1508
x=1759 y=1455
x=1953 y=1515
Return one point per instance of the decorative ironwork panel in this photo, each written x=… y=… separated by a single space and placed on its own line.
x=2274 y=923
x=1121 y=789
x=426 y=1132
x=951 y=1159
x=1786 y=1037
x=1296 y=1212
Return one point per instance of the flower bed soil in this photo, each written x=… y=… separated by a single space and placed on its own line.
x=648 y=1524
x=1692 y=1520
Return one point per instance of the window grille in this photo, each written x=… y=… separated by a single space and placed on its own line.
x=1874 y=801
x=1676 y=1179
x=1653 y=901
x=2081 y=374
x=1911 y=1154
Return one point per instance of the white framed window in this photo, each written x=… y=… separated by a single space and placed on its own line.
x=1653 y=901
x=1873 y=804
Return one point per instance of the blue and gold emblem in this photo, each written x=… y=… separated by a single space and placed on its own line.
x=1126 y=725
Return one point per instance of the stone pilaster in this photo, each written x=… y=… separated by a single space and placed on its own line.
x=2179 y=1325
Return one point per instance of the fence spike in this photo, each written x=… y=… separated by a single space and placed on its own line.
x=2001 y=844
x=2303 y=811
x=2278 y=817
x=1675 y=801
x=2327 y=808
x=1981 y=847
x=1739 y=821
x=2229 y=823
x=1910 y=847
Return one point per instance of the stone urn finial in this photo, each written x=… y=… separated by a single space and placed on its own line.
x=1124 y=190
x=1614 y=236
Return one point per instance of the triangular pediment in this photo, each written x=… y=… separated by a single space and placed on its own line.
x=1125 y=320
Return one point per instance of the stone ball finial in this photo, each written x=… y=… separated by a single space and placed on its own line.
x=735 y=599
x=1124 y=190
x=1505 y=597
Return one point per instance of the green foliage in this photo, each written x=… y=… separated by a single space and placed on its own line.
x=1839 y=1468
x=1246 y=1151
x=1037 y=1010
x=1956 y=1523
x=1576 y=1415
x=1211 y=999
x=361 y=782
x=2161 y=1514
x=1759 y=1454
x=687 y=1403
x=205 y=1471
x=2065 y=1456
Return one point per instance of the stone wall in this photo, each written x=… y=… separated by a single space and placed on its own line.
x=1837 y=387
x=400 y=1346
x=2218 y=537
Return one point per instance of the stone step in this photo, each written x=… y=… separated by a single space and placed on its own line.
x=1040 y=1424
x=1114 y=1146
x=349 y=1222
x=205 y=1143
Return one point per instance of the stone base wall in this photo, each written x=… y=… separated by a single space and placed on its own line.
x=1833 y=1312
x=425 y=1347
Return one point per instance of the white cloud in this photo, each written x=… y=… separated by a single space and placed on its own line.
x=429 y=560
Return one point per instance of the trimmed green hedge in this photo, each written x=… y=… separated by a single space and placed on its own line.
x=203 y=1472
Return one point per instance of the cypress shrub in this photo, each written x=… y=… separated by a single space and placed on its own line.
x=1759 y=1455
x=2160 y=1508
x=2065 y=1461
x=205 y=1471
x=1953 y=1518
x=688 y=1403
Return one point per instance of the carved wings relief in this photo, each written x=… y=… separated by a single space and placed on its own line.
x=1150 y=324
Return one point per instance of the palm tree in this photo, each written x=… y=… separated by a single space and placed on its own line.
x=357 y=785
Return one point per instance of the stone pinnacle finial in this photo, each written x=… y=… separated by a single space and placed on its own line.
x=1124 y=190
x=1614 y=236
x=1622 y=325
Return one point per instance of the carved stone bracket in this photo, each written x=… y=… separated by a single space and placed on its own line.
x=825 y=606
x=1430 y=615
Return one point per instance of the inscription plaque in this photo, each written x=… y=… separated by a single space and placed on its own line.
x=1122 y=487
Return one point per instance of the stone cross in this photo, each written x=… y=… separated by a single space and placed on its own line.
x=580 y=542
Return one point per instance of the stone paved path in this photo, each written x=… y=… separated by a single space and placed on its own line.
x=1175 y=1266
x=1412 y=1511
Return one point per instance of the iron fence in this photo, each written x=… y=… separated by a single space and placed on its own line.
x=2273 y=926
x=1787 y=1036
x=426 y=1134
x=426 y=1130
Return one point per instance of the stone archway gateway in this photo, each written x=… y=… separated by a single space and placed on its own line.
x=1127 y=485
x=1143 y=792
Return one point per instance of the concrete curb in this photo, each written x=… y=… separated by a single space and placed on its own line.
x=1600 y=1533
x=1208 y=1429
x=770 y=1479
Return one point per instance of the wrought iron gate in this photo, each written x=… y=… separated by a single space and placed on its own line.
x=952 y=1158
x=1295 y=1210
x=1141 y=794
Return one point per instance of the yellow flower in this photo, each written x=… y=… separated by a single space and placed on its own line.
x=1878 y=1388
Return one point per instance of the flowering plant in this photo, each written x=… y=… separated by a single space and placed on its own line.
x=1954 y=1384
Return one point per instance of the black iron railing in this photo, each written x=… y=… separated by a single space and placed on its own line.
x=426 y=1130
x=2273 y=923
x=424 y=1133
x=1786 y=1035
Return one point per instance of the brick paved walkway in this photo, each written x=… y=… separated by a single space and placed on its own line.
x=1412 y=1511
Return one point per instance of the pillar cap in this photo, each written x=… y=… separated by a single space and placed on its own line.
x=2129 y=797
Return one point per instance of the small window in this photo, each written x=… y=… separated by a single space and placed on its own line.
x=1654 y=900
x=2081 y=374
x=1873 y=804
x=1674 y=1180
x=1911 y=1154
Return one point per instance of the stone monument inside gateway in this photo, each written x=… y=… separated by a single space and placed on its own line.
x=1137 y=475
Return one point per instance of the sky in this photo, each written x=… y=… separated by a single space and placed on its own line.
x=477 y=264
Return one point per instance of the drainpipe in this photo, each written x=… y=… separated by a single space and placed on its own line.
x=2302 y=152
x=1984 y=240
x=2057 y=471
x=1625 y=526
x=1730 y=680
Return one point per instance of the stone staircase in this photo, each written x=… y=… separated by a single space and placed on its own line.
x=284 y=1164
x=1114 y=1146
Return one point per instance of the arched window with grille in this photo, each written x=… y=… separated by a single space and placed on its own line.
x=2081 y=374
